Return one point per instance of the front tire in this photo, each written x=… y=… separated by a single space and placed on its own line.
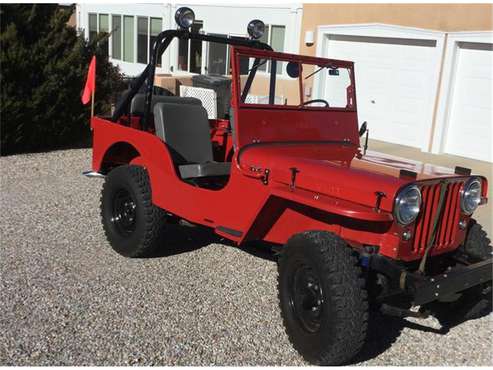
x=322 y=298
x=133 y=226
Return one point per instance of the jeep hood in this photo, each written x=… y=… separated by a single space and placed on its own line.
x=337 y=170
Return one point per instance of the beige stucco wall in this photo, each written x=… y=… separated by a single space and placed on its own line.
x=441 y=17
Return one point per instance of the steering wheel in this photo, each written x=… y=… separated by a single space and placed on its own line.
x=316 y=101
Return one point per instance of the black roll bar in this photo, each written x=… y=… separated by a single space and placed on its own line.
x=162 y=42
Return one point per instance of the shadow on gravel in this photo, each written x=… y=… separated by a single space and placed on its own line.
x=184 y=239
x=383 y=330
x=261 y=250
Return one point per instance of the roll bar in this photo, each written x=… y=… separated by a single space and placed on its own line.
x=162 y=42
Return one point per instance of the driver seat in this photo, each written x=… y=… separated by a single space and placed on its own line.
x=185 y=130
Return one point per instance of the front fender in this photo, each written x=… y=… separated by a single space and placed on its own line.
x=287 y=212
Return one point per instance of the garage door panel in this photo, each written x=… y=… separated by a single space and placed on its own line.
x=393 y=84
x=469 y=131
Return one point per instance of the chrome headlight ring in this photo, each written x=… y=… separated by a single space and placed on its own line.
x=470 y=195
x=407 y=205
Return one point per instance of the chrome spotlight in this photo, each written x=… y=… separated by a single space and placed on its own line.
x=256 y=29
x=184 y=17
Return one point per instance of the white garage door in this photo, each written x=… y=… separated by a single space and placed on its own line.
x=395 y=84
x=470 y=112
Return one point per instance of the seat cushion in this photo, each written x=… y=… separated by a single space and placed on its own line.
x=188 y=171
x=138 y=102
x=185 y=129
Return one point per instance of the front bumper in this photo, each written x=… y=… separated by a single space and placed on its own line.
x=425 y=289
x=457 y=279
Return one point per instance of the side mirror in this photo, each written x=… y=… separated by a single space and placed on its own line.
x=363 y=129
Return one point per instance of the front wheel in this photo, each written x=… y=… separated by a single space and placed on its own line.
x=133 y=225
x=322 y=298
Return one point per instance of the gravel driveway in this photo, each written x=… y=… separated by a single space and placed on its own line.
x=67 y=299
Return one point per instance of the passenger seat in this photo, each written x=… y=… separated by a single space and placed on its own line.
x=185 y=129
x=138 y=102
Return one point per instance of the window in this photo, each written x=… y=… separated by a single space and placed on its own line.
x=265 y=39
x=93 y=26
x=219 y=58
x=156 y=28
x=190 y=52
x=104 y=28
x=217 y=61
x=277 y=43
x=128 y=38
x=274 y=36
x=116 y=35
x=142 y=34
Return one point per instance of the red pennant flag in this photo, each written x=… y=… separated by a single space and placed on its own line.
x=90 y=87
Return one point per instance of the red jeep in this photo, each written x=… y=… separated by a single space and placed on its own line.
x=355 y=228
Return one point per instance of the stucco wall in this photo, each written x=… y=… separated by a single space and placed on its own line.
x=442 y=17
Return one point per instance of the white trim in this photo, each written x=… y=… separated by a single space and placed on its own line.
x=448 y=82
x=381 y=30
x=387 y=31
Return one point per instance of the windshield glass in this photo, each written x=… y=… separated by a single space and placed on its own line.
x=334 y=84
x=285 y=88
x=285 y=83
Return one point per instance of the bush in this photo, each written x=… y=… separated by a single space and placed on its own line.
x=43 y=70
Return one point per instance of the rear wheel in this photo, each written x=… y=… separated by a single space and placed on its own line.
x=133 y=225
x=322 y=298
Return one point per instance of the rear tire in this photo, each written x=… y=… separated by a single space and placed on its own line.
x=133 y=226
x=322 y=298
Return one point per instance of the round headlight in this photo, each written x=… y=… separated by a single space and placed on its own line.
x=256 y=29
x=470 y=196
x=184 y=17
x=407 y=205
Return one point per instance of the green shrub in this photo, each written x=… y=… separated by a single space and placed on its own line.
x=43 y=70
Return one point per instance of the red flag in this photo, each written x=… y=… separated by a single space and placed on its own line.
x=90 y=87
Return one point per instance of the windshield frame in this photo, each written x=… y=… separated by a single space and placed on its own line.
x=239 y=52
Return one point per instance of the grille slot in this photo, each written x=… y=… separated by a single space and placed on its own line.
x=447 y=225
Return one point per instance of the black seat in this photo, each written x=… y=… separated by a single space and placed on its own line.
x=138 y=102
x=185 y=129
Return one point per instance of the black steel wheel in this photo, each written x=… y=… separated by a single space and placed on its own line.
x=132 y=224
x=322 y=298
x=306 y=297
x=124 y=215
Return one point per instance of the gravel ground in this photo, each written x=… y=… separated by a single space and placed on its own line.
x=67 y=299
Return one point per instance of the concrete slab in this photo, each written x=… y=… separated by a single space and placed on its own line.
x=484 y=213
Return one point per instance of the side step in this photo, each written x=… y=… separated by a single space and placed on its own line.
x=93 y=174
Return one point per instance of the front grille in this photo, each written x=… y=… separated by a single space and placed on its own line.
x=447 y=225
